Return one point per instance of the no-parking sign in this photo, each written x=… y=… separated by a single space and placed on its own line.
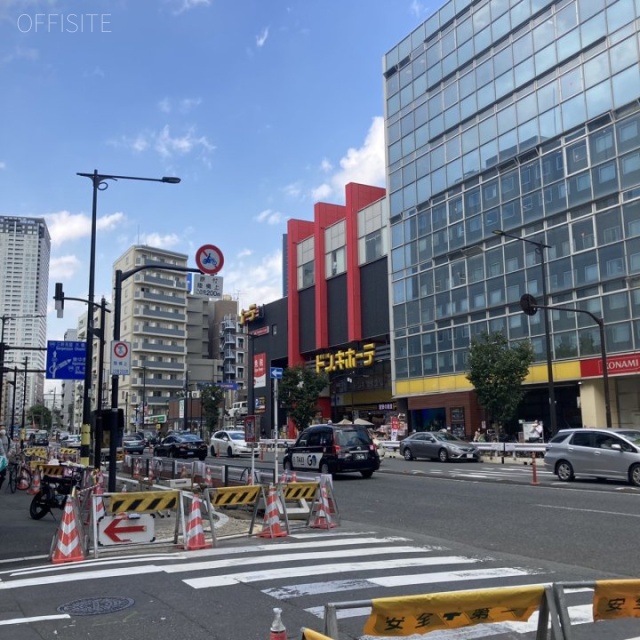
x=120 y=358
x=209 y=259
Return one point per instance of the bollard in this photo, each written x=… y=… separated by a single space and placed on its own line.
x=277 y=631
x=533 y=468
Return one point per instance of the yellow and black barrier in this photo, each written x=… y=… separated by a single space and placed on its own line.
x=310 y=634
x=299 y=491
x=226 y=497
x=85 y=444
x=68 y=452
x=143 y=501
x=37 y=452
x=52 y=470
x=410 y=615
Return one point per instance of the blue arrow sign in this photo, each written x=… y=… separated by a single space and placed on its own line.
x=275 y=373
x=66 y=359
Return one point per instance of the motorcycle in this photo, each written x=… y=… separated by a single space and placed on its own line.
x=54 y=491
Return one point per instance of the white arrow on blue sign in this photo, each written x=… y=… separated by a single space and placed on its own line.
x=275 y=373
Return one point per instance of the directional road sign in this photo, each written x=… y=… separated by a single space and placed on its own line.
x=123 y=529
x=66 y=359
x=209 y=259
x=275 y=373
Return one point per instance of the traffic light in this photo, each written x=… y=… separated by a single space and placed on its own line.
x=59 y=298
x=529 y=304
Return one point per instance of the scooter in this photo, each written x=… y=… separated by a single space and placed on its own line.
x=54 y=491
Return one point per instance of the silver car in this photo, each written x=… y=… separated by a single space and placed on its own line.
x=438 y=445
x=601 y=453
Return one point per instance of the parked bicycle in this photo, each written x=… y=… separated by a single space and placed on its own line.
x=55 y=490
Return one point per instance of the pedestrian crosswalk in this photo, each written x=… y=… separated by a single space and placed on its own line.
x=312 y=570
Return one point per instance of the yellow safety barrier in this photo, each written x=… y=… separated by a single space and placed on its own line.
x=53 y=470
x=309 y=634
x=143 y=501
x=613 y=599
x=224 y=497
x=68 y=451
x=299 y=490
x=37 y=452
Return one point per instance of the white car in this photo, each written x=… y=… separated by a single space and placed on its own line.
x=230 y=443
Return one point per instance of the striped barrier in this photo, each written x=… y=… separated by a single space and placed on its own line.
x=143 y=501
x=309 y=634
x=232 y=497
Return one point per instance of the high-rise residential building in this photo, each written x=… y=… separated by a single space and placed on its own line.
x=154 y=321
x=521 y=117
x=25 y=247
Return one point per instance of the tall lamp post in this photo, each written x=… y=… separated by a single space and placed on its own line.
x=100 y=183
x=539 y=249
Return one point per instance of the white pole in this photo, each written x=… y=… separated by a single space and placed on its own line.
x=275 y=405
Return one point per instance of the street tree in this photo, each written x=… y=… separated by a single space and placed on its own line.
x=211 y=397
x=497 y=371
x=38 y=415
x=298 y=393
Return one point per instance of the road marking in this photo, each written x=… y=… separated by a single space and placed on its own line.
x=321 y=569
x=61 y=616
x=333 y=586
x=607 y=513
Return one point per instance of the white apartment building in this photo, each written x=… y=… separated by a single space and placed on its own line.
x=25 y=246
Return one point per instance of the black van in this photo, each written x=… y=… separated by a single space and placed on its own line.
x=333 y=448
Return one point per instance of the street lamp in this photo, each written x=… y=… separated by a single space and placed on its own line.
x=100 y=183
x=539 y=249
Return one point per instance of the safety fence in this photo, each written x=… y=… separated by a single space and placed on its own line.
x=540 y=608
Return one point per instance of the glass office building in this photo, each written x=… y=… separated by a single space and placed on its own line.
x=522 y=117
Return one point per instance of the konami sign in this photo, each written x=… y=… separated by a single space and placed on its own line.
x=616 y=365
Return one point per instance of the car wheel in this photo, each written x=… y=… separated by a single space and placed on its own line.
x=366 y=474
x=564 y=471
x=229 y=452
x=324 y=469
x=213 y=451
x=443 y=455
x=634 y=475
x=286 y=465
x=407 y=454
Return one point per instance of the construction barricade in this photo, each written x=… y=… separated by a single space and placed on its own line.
x=309 y=634
x=129 y=517
x=219 y=498
x=296 y=498
x=420 y=614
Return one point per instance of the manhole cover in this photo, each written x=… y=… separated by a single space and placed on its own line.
x=95 y=606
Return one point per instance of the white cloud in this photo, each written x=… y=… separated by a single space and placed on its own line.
x=244 y=253
x=417 y=8
x=63 y=267
x=255 y=282
x=187 y=5
x=364 y=165
x=166 y=144
x=184 y=106
x=3 y=165
x=326 y=166
x=293 y=190
x=165 y=105
x=160 y=241
x=65 y=226
x=21 y=53
x=262 y=38
x=270 y=217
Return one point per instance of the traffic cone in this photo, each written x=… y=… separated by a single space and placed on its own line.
x=35 y=483
x=277 y=631
x=323 y=518
x=151 y=475
x=194 y=533
x=208 y=480
x=136 y=468
x=68 y=545
x=183 y=471
x=271 y=525
x=99 y=504
x=294 y=477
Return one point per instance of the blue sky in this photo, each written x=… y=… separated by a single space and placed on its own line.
x=261 y=107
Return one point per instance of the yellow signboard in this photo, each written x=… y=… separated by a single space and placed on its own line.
x=346 y=359
x=308 y=634
x=421 y=614
x=613 y=599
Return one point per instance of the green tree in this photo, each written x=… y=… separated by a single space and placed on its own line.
x=40 y=415
x=497 y=371
x=298 y=393
x=211 y=398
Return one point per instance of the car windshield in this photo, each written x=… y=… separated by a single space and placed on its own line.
x=189 y=438
x=444 y=436
x=353 y=437
x=630 y=434
x=236 y=435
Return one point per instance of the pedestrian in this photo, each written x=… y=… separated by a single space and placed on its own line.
x=5 y=448
x=536 y=432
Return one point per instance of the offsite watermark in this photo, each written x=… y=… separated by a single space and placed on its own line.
x=64 y=23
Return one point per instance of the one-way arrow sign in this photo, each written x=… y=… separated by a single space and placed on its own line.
x=123 y=529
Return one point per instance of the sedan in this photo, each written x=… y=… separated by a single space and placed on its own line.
x=182 y=446
x=438 y=445
x=230 y=443
x=133 y=445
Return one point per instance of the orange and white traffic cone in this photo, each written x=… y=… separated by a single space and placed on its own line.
x=137 y=468
x=271 y=525
x=35 y=483
x=323 y=518
x=194 y=533
x=68 y=544
x=278 y=630
x=294 y=477
x=100 y=511
x=151 y=476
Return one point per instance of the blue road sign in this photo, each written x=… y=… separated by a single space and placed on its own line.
x=275 y=373
x=66 y=359
x=232 y=386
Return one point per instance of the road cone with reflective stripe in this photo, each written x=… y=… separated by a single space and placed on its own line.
x=323 y=518
x=194 y=533
x=68 y=543
x=35 y=483
x=271 y=525
x=100 y=511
